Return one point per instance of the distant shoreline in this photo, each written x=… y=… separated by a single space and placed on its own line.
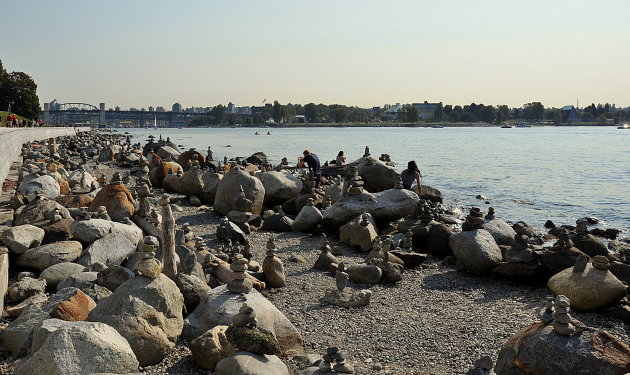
x=385 y=125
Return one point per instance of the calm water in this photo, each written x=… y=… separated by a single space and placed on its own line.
x=566 y=173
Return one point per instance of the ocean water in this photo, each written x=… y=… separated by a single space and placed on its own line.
x=530 y=174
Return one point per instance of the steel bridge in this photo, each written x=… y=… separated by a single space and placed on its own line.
x=89 y=115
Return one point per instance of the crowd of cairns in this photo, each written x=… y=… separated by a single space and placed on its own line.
x=101 y=267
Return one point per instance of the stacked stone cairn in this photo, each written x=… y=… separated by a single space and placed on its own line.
x=333 y=361
x=474 y=220
x=148 y=265
x=326 y=261
x=356 y=182
x=244 y=333
x=490 y=214
x=273 y=268
x=240 y=284
x=343 y=296
x=561 y=317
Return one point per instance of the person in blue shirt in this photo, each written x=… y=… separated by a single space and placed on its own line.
x=313 y=165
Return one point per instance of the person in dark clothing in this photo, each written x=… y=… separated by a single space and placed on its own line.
x=313 y=165
x=411 y=174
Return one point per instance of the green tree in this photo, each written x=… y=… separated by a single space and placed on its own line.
x=20 y=91
x=438 y=114
x=218 y=114
x=411 y=113
x=340 y=114
x=277 y=112
x=533 y=111
x=601 y=119
x=557 y=117
x=310 y=112
x=487 y=113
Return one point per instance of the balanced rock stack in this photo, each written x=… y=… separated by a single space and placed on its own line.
x=474 y=220
x=334 y=361
x=148 y=265
x=326 y=261
x=272 y=267
x=345 y=297
x=239 y=284
x=490 y=214
x=546 y=314
x=356 y=183
x=561 y=317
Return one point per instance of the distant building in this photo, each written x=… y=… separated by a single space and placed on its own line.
x=54 y=106
x=392 y=112
x=426 y=109
x=160 y=109
x=230 y=108
x=133 y=109
x=569 y=114
x=117 y=108
x=151 y=109
x=177 y=108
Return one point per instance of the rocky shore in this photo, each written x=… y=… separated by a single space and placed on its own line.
x=248 y=268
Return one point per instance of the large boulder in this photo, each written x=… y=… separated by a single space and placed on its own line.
x=477 y=250
x=108 y=153
x=211 y=182
x=589 y=289
x=358 y=233
x=590 y=245
x=117 y=199
x=87 y=283
x=308 y=219
x=501 y=231
x=538 y=349
x=39 y=212
x=192 y=182
x=186 y=157
x=364 y=273
x=59 y=272
x=211 y=347
x=112 y=249
x=168 y=152
x=88 y=231
x=42 y=257
x=45 y=186
x=17 y=337
x=229 y=189
x=247 y=363
x=165 y=168
x=429 y=193
x=219 y=305
x=438 y=240
x=69 y=304
x=147 y=312
x=279 y=187
x=386 y=206
x=22 y=237
x=76 y=348
x=80 y=179
x=377 y=175
x=25 y=287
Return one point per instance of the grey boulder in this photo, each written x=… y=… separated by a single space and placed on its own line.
x=501 y=231
x=42 y=257
x=88 y=231
x=76 y=348
x=218 y=306
x=308 y=219
x=279 y=187
x=229 y=188
x=147 y=312
x=34 y=185
x=22 y=237
x=111 y=249
x=246 y=363
x=18 y=335
x=386 y=206
x=59 y=272
x=477 y=250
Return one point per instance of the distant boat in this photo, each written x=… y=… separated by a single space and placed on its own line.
x=624 y=126
x=506 y=126
x=523 y=126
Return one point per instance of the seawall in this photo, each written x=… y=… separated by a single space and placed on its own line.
x=11 y=140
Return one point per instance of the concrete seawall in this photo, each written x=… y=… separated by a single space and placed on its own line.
x=11 y=140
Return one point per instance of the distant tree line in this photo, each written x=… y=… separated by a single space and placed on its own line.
x=19 y=92
x=470 y=113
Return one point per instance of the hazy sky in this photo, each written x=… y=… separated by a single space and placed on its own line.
x=354 y=52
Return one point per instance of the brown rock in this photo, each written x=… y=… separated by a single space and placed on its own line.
x=117 y=199
x=70 y=305
x=75 y=200
x=211 y=347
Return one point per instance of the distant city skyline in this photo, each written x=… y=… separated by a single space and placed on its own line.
x=358 y=53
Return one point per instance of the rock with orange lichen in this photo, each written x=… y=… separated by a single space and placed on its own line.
x=70 y=304
x=164 y=169
x=117 y=199
x=75 y=200
x=185 y=159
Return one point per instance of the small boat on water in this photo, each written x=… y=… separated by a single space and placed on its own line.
x=624 y=126
x=506 y=126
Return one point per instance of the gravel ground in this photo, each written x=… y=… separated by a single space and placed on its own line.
x=436 y=321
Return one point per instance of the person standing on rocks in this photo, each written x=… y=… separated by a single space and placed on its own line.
x=411 y=174
x=313 y=165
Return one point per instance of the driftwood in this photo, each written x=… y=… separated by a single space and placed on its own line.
x=169 y=256
x=221 y=270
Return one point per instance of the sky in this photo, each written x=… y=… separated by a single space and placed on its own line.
x=355 y=52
